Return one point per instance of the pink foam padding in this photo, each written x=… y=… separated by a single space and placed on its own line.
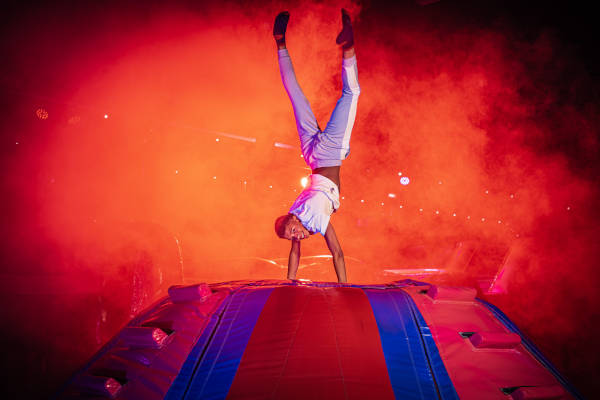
x=174 y=317
x=443 y=293
x=149 y=337
x=477 y=374
x=181 y=294
x=495 y=340
x=112 y=366
x=539 y=393
x=98 y=385
x=189 y=321
x=144 y=355
x=140 y=356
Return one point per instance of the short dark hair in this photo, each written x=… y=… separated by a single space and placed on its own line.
x=280 y=224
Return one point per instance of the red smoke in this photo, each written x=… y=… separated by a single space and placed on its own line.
x=487 y=124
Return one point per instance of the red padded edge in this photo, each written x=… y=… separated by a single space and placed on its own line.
x=182 y=294
x=149 y=337
x=539 y=393
x=441 y=293
x=495 y=340
x=314 y=343
x=481 y=373
x=98 y=385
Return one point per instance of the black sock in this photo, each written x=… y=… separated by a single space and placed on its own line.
x=346 y=36
x=280 y=26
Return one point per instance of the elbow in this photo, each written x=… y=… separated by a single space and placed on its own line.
x=338 y=254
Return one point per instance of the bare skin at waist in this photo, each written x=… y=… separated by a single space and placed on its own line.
x=332 y=173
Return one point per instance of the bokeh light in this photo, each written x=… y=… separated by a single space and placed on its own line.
x=41 y=113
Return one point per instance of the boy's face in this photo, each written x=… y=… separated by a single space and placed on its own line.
x=295 y=230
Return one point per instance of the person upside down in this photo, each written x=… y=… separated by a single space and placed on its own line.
x=323 y=151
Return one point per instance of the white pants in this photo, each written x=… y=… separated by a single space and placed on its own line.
x=329 y=147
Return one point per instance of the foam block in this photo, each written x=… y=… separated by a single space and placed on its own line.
x=98 y=385
x=148 y=337
x=182 y=294
x=539 y=393
x=495 y=340
x=451 y=293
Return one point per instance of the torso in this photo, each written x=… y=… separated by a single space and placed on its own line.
x=332 y=173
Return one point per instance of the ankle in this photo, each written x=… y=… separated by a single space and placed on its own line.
x=279 y=39
x=348 y=53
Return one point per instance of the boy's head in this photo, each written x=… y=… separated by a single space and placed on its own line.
x=289 y=227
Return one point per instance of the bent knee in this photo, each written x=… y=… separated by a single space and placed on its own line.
x=353 y=91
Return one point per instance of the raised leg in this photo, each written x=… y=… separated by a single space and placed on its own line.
x=306 y=122
x=334 y=143
x=336 y=137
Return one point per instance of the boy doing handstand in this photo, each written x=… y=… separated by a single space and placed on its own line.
x=323 y=151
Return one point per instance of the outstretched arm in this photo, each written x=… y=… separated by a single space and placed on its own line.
x=294 y=259
x=336 y=252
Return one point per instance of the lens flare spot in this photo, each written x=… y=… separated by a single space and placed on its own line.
x=41 y=113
